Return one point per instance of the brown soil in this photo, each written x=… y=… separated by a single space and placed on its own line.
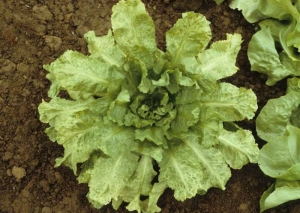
x=36 y=32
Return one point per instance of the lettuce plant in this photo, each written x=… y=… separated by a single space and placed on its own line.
x=139 y=120
x=279 y=124
x=274 y=49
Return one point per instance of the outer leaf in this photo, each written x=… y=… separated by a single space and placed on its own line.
x=280 y=157
x=216 y=172
x=188 y=37
x=281 y=27
x=157 y=191
x=75 y=71
x=219 y=61
x=139 y=185
x=109 y=177
x=114 y=139
x=282 y=192
x=133 y=27
x=149 y=149
x=180 y=170
x=105 y=48
x=238 y=148
x=275 y=116
x=264 y=58
x=257 y=10
x=190 y=168
x=249 y=9
x=74 y=127
x=229 y=100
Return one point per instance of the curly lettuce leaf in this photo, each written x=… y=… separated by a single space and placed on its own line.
x=223 y=54
x=139 y=120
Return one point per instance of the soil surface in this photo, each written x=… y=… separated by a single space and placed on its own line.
x=36 y=32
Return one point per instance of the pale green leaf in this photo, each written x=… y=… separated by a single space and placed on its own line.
x=275 y=116
x=133 y=27
x=188 y=37
x=293 y=85
x=109 y=177
x=249 y=9
x=105 y=48
x=187 y=116
x=257 y=10
x=157 y=190
x=229 y=103
x=216 y=171
x=75 y=71
x=114 y=139
x=150 y=149
x=238 y=147
x=181 y=171
x=219 y=61
x=209 y=128
x=264 y=57
x=280 y=158
x=279 y=193
x=139 y=185
x=190 y=168
x=119 y=107
x=153 y=134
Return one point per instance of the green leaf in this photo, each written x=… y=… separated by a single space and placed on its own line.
x=279 y=193
x=275 y=116
x=139 y=184
x=234 y=103
x=104 y=48
x=280 y=157
x=109 y=177
x=190 y=168
x=238 y=148
x=249 y=9
x=264 y=58
x=156 y=192
x=133 y=27
x=187 y=116
x=278 y=124
x=257 y=10
x=188 y=37
x=219 y=61
x=75 y=71
x=153 y=134
x=211 y=160
x=150 y=149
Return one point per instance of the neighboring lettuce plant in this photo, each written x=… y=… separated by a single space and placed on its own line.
x=274 y=49
x=279 y=124
x=139 y=120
